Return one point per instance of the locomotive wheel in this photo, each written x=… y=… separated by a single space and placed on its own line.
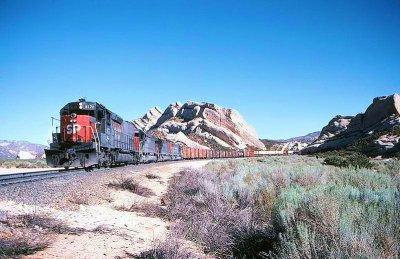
x=107 y=164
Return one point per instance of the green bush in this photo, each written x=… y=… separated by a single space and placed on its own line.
x=347 y=159
x=360 y=145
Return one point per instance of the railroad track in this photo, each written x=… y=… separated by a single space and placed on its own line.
x=35 y=176
x=15 y=178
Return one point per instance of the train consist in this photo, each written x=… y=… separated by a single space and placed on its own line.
x=91 y=136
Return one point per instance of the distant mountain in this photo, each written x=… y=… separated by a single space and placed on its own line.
x=309 y=138
x=23 y=149
x=201 y=125
x=269 y=143
x=292 y=144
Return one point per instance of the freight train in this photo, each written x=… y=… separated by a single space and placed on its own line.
x=89 y=135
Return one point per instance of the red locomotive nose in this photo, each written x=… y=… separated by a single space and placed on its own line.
x=77 y=128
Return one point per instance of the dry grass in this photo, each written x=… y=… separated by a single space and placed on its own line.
x=49 y=224
x=18 y=244
x=129 y=184
x=173 y=248
x=147 y=209
x=29 y=233
x=79 y=199
x=23 y=163
x=152 y=176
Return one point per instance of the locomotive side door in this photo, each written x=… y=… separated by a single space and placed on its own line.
x=136 y=142
x=108 y=127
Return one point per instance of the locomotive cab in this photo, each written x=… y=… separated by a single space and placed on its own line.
x=76 y=140
x=79 y=122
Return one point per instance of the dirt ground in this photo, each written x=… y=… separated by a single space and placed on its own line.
x=109 y=232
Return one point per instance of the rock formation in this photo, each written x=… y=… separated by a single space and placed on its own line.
x=200 y=124
x=294 y=146
x=335 y=126
x=149 y=119
x=382 y=116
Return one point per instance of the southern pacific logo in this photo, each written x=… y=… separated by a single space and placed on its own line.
x=73 y=128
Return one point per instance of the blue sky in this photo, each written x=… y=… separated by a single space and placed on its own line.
x=286 y=66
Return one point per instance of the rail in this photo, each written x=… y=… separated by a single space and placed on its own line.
x=35 y=176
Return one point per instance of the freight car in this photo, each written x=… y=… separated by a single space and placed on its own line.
x=90 y=135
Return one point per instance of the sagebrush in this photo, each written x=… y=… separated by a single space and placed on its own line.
x=288 y=207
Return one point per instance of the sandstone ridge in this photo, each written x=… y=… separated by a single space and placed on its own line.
x=377 y=126
x=200 y=124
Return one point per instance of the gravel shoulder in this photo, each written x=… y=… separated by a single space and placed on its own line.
x=85 y=202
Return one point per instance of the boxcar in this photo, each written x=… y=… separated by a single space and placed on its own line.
x=176 y=151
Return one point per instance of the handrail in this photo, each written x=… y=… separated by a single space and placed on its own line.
x=98 y=139
x=95 y=139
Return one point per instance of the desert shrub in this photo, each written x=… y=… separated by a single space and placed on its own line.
x=347 y=159
x=21 y=163
x=391 y=167
x=131 y=185
x=288 y=207
x=48 y=223
x=148 y=209
x=354 y=215
x=79 y=199
x=13 y=246
x=171 y=249
x=152 y=176
x=28 y=233
x=223 y=223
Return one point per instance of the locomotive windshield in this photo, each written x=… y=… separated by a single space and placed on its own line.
x=77 y=112
x=80 y=108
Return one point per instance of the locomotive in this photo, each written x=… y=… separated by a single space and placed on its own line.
x=90 y=135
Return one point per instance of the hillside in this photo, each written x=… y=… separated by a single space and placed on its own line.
x=375 y=132
x=200 y=124
x=269 y=143
x=23 y=149
x=291 y=144
x=309 y=138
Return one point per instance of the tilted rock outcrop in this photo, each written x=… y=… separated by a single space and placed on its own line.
x=201 y=125
x=342 y=131
x=149 y=119
x=335 y=126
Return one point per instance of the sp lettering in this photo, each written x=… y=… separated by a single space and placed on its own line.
x=73 y=128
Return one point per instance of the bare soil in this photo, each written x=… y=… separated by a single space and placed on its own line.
x=87 y=203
